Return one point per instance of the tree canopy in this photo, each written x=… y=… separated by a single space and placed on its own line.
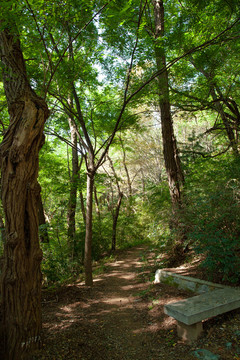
x=140 y=106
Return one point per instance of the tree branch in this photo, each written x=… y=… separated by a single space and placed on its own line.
x=73 y=39
x=172 y=62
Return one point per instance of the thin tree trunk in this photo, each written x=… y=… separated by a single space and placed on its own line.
x=98 y=212
x=21 y=277
x=75 y=169
x=115 y=220
x=72 y=204
x=115 y=213
x=172 y=161
x=88 y=236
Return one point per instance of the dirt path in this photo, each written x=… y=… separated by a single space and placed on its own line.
x=120 y=318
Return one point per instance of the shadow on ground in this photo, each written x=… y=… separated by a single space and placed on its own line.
x=120 y=318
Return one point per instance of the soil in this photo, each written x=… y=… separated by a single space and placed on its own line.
x=121 y=317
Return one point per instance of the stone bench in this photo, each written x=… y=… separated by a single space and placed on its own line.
x=183 y=282
x=190 y=312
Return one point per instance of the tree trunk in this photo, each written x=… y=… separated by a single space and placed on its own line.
x=115 y=220
x=21 y=277
x=115 y=213
x=73 y=191
x=126 y=170
x=98 y=212
x=171 y=158
x=88 y=236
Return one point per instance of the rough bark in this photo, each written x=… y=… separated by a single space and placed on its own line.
x=171 y=158
x=21 y=277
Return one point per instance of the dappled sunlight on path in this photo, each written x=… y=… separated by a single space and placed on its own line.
x=113 y=320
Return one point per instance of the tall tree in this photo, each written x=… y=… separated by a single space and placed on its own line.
x=95 y=125
x=170 y=151
x=21 y=278
x=73 y=189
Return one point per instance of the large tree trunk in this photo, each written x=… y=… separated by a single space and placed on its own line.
x=21 y=277
x=88 y=236
x=172 y=161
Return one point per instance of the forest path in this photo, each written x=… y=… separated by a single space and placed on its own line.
x=120 y=318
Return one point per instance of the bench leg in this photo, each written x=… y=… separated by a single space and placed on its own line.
x=189 y=333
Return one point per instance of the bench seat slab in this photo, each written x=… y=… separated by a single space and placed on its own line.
x=197 y=308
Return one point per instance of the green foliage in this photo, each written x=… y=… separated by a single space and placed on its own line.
x=102 y=232
x=156 y=212
x=221 y=252
x=130 y=231
x=62 y=48
x=57 y=266
x=212 y=215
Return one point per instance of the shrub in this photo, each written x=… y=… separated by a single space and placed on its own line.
x=212 y=215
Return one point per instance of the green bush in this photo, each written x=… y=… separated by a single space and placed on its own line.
x=221 y=253
x=211 y=217
x=58 y=264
